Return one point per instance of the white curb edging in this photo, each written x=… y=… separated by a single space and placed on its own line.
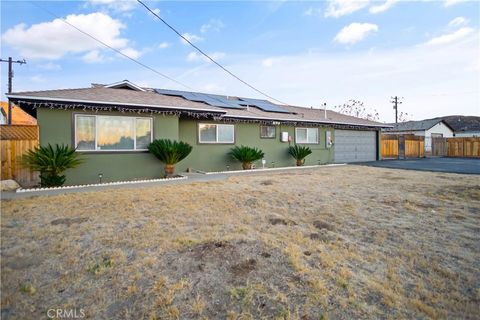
x=275 y=169
x=102 y=184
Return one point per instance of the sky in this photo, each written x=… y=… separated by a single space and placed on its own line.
x=306 y=53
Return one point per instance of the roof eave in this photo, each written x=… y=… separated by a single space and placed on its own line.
x=307 y=120
x=14 y=96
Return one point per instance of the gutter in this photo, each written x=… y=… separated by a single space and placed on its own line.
x=314 y=121
x=13 y=96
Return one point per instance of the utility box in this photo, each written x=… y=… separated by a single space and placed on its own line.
x=328 y=139
x=284 y=137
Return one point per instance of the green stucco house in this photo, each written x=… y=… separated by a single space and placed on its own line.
x=112 y=126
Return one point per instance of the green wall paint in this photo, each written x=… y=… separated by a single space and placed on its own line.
x=214 y=157
x=56 y=128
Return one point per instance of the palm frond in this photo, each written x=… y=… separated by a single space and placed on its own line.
x=168 y=151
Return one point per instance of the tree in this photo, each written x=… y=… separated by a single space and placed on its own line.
x=357 y=109
x=404 y=116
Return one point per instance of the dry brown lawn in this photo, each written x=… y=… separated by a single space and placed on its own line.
x=332 y=243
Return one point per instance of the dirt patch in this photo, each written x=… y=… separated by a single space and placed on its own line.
x=267 y=182
x=282 y=221
x=323 y=225
x=238 y=277
x=68 y=221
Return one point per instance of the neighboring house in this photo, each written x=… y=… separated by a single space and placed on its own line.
x=464 y=126
x=430 y=128
x=18 y=115
x=112 y=125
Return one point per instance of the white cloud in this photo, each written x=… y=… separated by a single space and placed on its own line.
x=267 y=62
x=156 y=11
x=355 y=32
x=338 y=8
x=382 y=7
x=213 y=24
x=450 y=37
x=93 y=56
x=163 y=45
x=195 y=57
x=191 y=37
x=132 y=53
x=458 y=22
x=52 y=40
x=311 y=11
x=115 y=5
x=449 y=3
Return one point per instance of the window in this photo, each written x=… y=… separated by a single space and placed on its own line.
x=112 y=133
x=306 y=135
x=216 y=133
x=267 y=132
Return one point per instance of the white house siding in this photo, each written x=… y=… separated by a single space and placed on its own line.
x=467 y=134
x=439 y=128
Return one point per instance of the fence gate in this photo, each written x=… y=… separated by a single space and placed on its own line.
x=439 y=147
x=15 y=140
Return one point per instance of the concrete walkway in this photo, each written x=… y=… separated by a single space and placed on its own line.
x=191 y=178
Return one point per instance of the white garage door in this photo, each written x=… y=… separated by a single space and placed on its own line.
x=355 y=146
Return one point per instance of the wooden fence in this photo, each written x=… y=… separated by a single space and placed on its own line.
x=15 y=140
x=389 y=146
x=464 y=147
x=395 y=146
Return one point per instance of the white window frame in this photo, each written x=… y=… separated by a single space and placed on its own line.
x=96 y=133
x=305 y=142
x=216 y=133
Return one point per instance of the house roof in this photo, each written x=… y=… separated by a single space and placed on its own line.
x=420 y=125
x=123 y=95
x=18 y=115
x=462 y=123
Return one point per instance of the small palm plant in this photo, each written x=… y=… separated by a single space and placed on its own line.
x=51 y=162
x=246 y=155
x=299 y=153
x=169 y=152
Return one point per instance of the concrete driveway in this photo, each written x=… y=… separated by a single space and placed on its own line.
x=452 y=165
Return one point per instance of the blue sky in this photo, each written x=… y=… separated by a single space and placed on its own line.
x=301 y=52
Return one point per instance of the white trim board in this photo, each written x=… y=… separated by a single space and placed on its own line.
x=275 y=169
x=106 y=184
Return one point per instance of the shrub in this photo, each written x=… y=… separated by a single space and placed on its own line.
x=246 y=155
x=169 y=152
x=299 y=153
x=51 y=162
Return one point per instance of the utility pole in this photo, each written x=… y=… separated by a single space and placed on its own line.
x=10 y=77
x=396 y=101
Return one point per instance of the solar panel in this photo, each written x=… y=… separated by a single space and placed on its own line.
x=211 y=99
x=263 y=104
x=222 y=101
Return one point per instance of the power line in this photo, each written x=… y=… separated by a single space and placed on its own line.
x=207 y=56
x=121 y=53
x=110 y=47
